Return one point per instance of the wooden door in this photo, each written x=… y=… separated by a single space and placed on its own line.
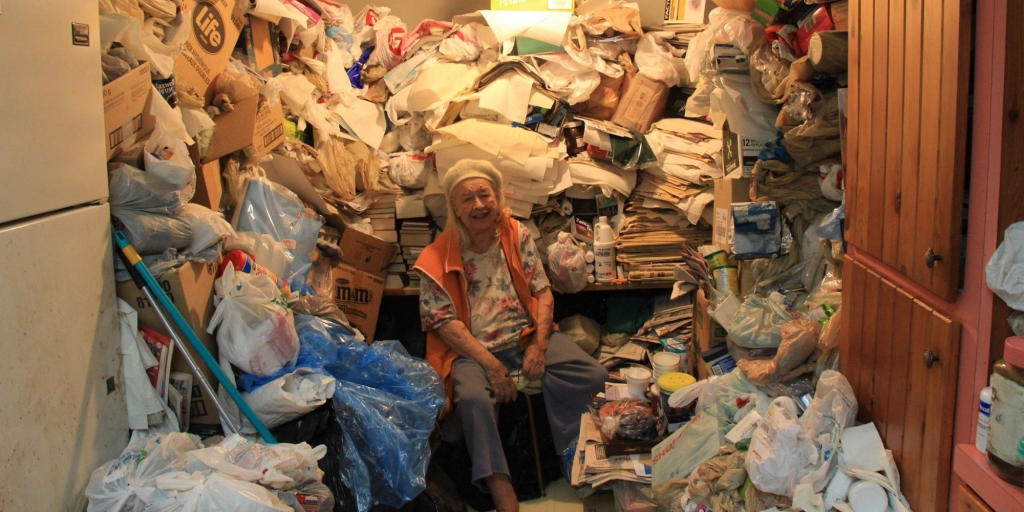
x=909 y=77
x=901 y=358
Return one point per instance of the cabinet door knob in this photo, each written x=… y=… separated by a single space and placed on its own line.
x=930 y=358
x=930 y=257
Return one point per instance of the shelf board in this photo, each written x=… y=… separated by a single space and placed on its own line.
x=971 y=466
x=595 y=287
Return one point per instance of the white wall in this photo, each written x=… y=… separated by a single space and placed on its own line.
x=412 y=11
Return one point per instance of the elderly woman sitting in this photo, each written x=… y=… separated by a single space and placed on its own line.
x=487 y=308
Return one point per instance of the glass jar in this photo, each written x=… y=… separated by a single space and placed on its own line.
x=1006 y=427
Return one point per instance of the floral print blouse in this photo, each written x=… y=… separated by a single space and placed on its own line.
x=497 y=318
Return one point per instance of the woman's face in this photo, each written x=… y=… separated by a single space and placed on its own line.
x=476 y=205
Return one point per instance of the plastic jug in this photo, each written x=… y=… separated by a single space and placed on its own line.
x=604 y=250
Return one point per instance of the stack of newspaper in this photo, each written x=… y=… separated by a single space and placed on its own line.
x=593 y=466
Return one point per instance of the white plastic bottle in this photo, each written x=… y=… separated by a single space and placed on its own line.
x=984 y=415
x=604 y=250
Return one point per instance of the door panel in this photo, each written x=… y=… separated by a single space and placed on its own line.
x=901 y=358
x=909 y=68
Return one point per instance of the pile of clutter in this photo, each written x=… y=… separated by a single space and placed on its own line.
x=267 y=173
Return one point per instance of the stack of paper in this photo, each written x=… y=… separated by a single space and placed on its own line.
x=652 y=241
x=593 y=466
x=413 y=237
x=670 y=326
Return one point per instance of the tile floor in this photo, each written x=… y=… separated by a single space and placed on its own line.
x=561 y=498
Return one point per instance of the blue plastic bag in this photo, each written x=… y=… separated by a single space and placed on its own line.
x=385 y=403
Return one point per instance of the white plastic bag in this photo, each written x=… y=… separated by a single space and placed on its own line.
x=780 y=453
x=654 y=60
x=1005 y=271
x=410 y=169
x=280 y=466
x=167 y=157
x=116 y=485
x=221 y=492
x=208 y=227
x=256 y=331
x=832 y=410
x=567 y=265
x=290 y=396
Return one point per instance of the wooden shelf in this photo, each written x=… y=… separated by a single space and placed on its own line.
x=596 y=287
x=971 y=466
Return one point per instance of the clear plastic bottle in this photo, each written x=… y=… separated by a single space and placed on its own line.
x=604 y=250
x=1006 y=426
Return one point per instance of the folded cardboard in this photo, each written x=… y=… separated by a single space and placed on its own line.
x=214 y=26
x=708 y=333
x=358 y=293
x=190 y=288
x=642 y=103
x=739 y=151
x=366 y=252
x=254 y=122
x=209 y=187
x=126 y=102
x=727 y=192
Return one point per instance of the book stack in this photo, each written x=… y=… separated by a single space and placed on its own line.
x=396 y=273
x=413 y=237
x=382 y=217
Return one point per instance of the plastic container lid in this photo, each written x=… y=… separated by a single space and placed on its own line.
x=666 y=360
x=674 y=381
x=1013 y=352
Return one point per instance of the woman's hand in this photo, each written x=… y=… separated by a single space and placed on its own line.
x=533 y=362
x=502 y=385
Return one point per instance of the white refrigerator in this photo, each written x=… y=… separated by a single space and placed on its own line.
x=62 y=409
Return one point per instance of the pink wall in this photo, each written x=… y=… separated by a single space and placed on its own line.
x=974 y=306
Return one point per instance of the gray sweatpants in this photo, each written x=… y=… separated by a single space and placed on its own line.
x=570 y=378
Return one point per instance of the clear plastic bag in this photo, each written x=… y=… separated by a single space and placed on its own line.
x=153 y=233
x=255 y=331
x=135 y=189
x=271 y=209
x=758 y=322
x=625 y=419
x=1005 y=270
x=567 y=265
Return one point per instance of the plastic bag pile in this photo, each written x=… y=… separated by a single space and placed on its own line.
x=176 y=472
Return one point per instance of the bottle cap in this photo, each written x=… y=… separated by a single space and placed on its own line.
x=1013 y=352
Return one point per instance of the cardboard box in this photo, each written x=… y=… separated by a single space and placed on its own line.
x=706 y=330
x=727 y=192
x=214 y=26
x=254 y=122
x=532 y=5
x=190 y=288
x=126 y=103
x=366 y=252
x=209 y=187
x=739 y=151
x=642 y=103
x=358 y=294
